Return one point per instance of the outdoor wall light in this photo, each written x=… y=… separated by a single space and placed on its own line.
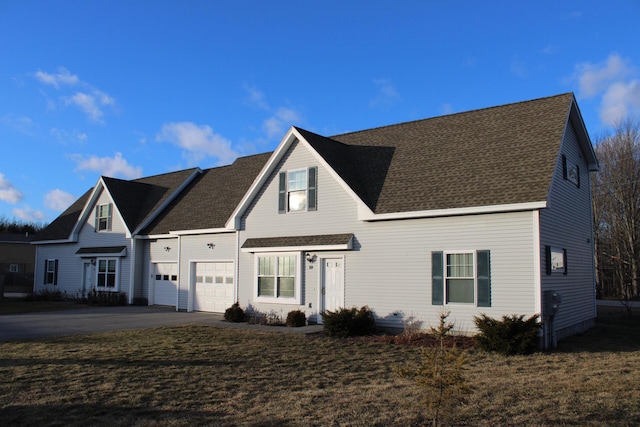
x=310 y=257
x=167 y=248
x=211 y=245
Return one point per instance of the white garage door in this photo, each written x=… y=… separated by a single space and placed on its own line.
x=213 y=287
x=166 y=284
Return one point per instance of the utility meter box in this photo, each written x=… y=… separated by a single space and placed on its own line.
x=552 y=300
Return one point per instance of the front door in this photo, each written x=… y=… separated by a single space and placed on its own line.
x=89 y=275
x=332 y=284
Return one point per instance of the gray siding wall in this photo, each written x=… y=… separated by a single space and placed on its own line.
x=567 y=224
x=70 y=266
x=389 y=268
x=194 y=249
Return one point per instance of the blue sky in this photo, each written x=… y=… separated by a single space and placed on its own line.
x=136 y=88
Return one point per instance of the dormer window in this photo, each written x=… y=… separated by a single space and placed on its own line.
x=570 y=171
x=297 y=190
x=103 y=217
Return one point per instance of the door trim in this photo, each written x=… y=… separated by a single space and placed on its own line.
x=321 y=262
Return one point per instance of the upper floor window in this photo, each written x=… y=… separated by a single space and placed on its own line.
x=570 y=171
x=298 y=190
x=103 y=217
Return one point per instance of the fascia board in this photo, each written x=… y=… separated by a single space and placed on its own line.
x=169 y=199
x=154 y=236
x=201 y=231
x=88 y=208
x=286 y=142
x=341 y=247
x=53 y=242
x=583 y=136
x=474 y=210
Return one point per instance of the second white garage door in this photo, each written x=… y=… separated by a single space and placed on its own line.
x=214 y=286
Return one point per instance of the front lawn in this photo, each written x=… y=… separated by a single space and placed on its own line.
x=199 y=375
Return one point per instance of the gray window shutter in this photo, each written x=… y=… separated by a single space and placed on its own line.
x=578 y=172
x=110 y=210
x=97 y=219
x=55 y=273
x=437 y=279
x=46 y=264
x=564 y=166
x=564 y=257
x=547 y=250
x=484 y=278
x=282 y=192
x=312 y=203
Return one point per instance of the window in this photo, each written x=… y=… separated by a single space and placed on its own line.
x=570 y=171
x=297 y=190
x=277 y=277
x=13 y=268
x=556 y=260
x=103 y=217
x=461 y=278
x=107 y=274
x=50 y=271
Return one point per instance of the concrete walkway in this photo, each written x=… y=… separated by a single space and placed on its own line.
x=106 y=319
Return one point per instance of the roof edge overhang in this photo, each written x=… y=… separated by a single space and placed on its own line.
x=201 y=231
x=575 y=117
x=53 y=242
x=474 y=210
x=292 y=136
x=342 y=246
x=102 y=251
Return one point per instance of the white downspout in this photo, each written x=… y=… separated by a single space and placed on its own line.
x=237 y=268
x=132 y=269
x=179 y=275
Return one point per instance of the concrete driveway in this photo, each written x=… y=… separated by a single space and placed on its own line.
x=107 y=319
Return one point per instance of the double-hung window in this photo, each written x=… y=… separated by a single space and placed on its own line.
x=107 y=274
x=297 y=190
x=50 y=271
x=461 y=277
x=103 y=217
x=278 y=277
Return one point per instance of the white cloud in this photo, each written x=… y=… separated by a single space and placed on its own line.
x=277 y=124
x=256 y=97
x=199 y=141
x=28 y=214
x=387 y=95
x=616 y=81
x=22 y=124
x=9 y=193
x=68 y=137
x=91 y=103
x=115 y=166
x=58 y=200
x=62 y=77
x=89 y=100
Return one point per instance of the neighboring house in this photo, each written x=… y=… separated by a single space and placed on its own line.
x=478 y=212
x=17 y=256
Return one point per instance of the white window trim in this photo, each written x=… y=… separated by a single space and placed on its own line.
x=116 y=287
x=14 y=268
x=108 y=218
x=297 y=282
x=53 y=272
x=306 y=190
x=475 y=278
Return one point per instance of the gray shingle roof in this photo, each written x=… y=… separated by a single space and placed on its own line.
x=494 y=156
x=210 y=199
x=298 y=241
x=61 y=227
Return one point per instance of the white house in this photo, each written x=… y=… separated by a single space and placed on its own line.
x=477 y=212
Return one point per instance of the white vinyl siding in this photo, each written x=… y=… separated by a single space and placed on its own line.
x=389 y=268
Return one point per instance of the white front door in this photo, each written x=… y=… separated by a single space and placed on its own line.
x=332 y=284
x=89 y=276
x=165 y=284
x=213 y=287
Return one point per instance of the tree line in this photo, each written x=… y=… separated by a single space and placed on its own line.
x=18 y=227
x=616 y=212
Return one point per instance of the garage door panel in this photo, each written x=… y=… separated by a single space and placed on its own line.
x=214 y=286
x=166 y=284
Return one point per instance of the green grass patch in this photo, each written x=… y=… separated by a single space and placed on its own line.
x=202 y=375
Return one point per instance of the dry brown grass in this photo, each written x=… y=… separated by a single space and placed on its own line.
x=198 y=375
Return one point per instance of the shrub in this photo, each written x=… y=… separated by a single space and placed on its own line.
x=296 y=318
x=102 y=298
x=234 y=313
x=440 y=374
x=47 y=294
x=509 y=336
x=347 y=322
